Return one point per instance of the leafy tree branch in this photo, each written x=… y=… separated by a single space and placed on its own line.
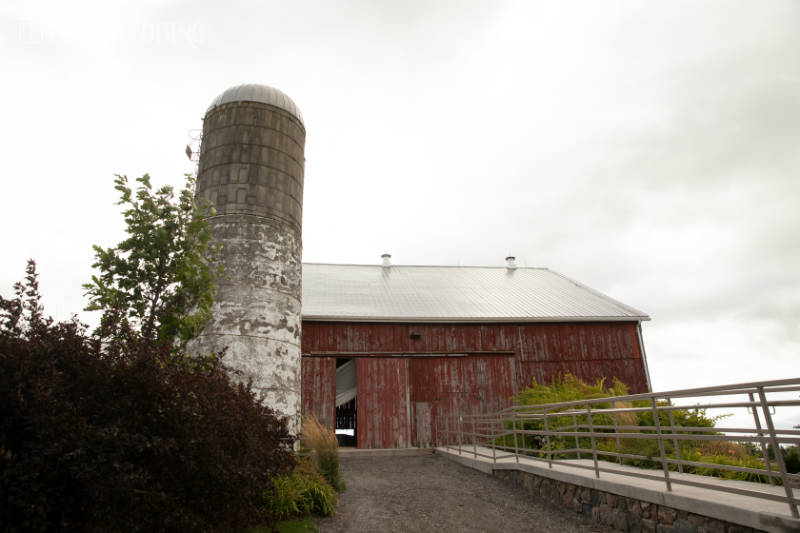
x=159 y=282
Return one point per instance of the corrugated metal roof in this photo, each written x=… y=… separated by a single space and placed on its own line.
x=399 y=293
x=253 y=92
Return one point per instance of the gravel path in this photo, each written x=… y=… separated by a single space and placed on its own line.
x=432 y=493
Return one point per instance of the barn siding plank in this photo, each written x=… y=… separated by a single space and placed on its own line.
x=612 y=348
x=457 y=385
x=318 y=388
x=383 y=403
x=542 y=351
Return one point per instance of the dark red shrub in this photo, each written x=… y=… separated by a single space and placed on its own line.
x=137 y=440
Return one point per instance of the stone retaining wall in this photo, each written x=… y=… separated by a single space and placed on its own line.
x=618 y=512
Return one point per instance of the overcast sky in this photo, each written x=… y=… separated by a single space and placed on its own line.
x=650 y=150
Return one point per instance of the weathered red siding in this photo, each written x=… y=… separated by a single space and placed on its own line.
x=446 y=386
x=500 y=360
x=384 y=415
x=319 y=388
x=590 y=350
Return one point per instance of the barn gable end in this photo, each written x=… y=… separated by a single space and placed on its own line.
x=436 y=341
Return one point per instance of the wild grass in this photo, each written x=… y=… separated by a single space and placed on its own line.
x=324 y=447
x=296 y=525
x=300 y=525
x=723 y=448
x=296 y=497
x=626 y=419
x=300 y=495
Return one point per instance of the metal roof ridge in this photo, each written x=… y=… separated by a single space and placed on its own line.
x=423 y=266
x=627 y=307
x=454 y=320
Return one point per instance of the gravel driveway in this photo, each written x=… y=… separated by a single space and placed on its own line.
x=432 y=493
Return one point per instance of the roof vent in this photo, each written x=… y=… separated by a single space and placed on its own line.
x=511 y=262
x=387 y=259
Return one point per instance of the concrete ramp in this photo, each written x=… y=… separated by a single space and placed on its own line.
x=624 y=500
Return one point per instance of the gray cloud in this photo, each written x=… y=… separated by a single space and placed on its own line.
x=645 y=149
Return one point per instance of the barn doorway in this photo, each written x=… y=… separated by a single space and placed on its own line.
x=346 y=402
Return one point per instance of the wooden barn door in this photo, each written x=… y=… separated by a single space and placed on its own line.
x=384 y=413
x=448 y=387
x=319 y=388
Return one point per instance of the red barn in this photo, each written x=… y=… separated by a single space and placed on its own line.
x=388 y=349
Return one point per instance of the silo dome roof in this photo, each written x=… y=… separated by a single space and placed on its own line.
x=253 y=92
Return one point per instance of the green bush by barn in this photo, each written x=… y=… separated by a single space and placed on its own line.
x=570 y=388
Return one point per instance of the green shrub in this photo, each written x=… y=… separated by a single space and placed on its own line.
x=300 y=494
x=295 y=525
x=791 y=458
x=570 y=388
x=564 y=389
x=729 y=460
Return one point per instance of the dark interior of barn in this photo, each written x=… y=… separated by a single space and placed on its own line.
x=346 y=402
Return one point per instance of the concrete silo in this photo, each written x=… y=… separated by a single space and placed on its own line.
x=251 y=170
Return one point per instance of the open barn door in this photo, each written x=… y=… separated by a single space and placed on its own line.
x=384 y=411
x=346 y=402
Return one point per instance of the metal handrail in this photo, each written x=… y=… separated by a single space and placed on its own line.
x=582 y=424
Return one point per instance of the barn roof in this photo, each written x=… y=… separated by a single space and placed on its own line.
x=399 y=293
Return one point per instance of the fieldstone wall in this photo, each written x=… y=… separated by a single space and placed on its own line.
x=617 y=512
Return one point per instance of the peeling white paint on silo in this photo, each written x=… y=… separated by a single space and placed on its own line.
x=251 y=170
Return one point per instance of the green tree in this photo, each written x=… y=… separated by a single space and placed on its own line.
x=158 y=284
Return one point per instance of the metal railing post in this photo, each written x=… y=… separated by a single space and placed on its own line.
x=616 y=429
x=547 y=439
x=435 y=434
x=575 y=429
x=778 y=454
x=493 y=432
x=514 y=428
x=447 y=432
x=474 y=438
x=675 y=442
x=764 y=447
x=659 y=436
x=591 y=438
x=460 y=433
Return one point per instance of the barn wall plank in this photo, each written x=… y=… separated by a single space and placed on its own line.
x=477 y=383
x=591 y=350
x=319 y=388
x=384 y=411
